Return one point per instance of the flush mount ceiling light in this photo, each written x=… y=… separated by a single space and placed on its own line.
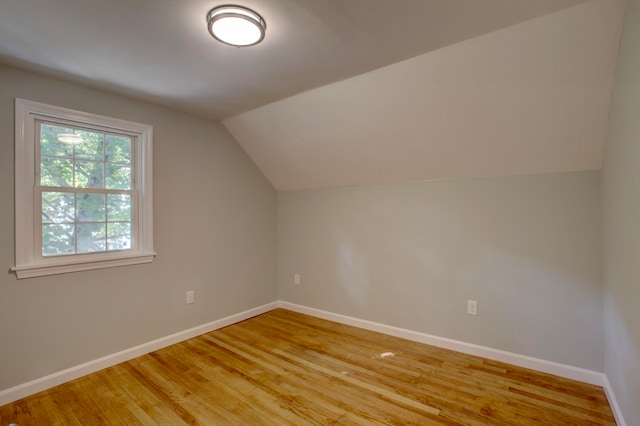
x=69 y=138
x=236 y=25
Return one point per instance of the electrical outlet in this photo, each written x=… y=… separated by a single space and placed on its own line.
x=190 y=297
x=296 y=279
x=472 y=307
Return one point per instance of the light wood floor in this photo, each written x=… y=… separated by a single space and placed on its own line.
x=284 y=368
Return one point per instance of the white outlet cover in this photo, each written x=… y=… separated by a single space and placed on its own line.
x=472 y=307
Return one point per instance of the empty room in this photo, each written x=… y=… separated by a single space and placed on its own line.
x=291 y=212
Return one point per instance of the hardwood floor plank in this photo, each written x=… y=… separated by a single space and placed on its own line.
x=144 y=400
x=453 y=390
x=231 y=397
x=328 y=403
x=287 y=368
x=123 y=404
x=229 y=388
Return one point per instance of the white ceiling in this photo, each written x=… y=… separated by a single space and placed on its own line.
x=493 y=87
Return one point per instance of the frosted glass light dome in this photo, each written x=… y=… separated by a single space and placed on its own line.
x=236 y=25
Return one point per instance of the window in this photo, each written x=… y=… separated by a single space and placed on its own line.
x=83 y=191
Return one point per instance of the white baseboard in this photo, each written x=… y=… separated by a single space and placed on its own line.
x=562 y=370
x=608 y=390
x=21 y=391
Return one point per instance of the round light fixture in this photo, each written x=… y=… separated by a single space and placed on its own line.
x=236 y=25
x=69 y=138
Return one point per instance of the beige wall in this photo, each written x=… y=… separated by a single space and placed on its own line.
x=527 y=248
x=215 y=233
x=621 y=207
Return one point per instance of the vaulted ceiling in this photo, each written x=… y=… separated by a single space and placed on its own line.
x=349 y=92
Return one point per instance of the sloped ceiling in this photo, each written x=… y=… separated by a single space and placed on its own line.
x=350 y=92
x=530 y=98
x=161 y=51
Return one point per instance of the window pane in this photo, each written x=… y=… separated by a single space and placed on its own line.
x=119 y=236
x=89 y=174
x=57 y=239
x=119 y=208
x=56 y=172
x=118 y=149
x=118 y=177
x=90 y=207
x=57 y=207
x=50 y=145
x=91 y=237
x=91 y=147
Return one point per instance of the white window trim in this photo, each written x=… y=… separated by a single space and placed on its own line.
x=29 y=263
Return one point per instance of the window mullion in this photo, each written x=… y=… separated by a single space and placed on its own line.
x=75 y=222
x=86 y=190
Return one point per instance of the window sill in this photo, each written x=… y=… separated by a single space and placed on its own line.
x=39 y=270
